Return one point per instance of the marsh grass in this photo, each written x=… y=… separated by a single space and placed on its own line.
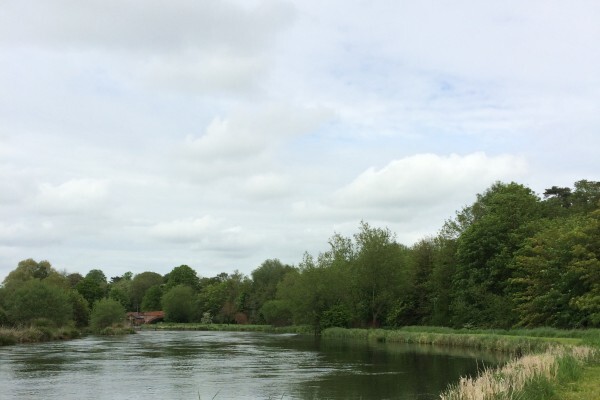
x=531 y=377
x=168 y=326
x=35 y=334
x=544 y=358
x=517 y=345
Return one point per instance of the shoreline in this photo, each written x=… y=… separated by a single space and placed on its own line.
x=547 y=363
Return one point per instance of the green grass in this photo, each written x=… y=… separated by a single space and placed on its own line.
x=488 y=340
x=549 y=364
x=172 y=326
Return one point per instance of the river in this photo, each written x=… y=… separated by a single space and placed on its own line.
x=230 y=365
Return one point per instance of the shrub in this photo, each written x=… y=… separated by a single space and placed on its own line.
x=178 y=304
x=38 y=299
x=106 y=312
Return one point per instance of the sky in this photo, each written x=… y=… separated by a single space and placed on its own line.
x=139 y=135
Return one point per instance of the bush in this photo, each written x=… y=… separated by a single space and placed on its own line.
x=37 y=299
x=277 y=313
x=178 y=304
x=106 y=312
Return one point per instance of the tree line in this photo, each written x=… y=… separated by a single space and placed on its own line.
x=511 y=258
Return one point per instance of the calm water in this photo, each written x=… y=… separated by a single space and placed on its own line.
x=225 y=365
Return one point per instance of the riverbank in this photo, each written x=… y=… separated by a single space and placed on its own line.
x=171 y=326
x=547 y=364
x=36 y=334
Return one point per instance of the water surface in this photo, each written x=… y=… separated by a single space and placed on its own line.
x=230 y=365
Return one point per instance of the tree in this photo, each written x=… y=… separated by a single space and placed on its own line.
x=106 y=313
x=265 y=279
x=277 y=312
x=557 y=274
x=380 y=273
x=183 y=275
x=120 y=290
x=30 y=269
x=81 y=309
x=586 y=196
x=178 y=304
x=93 y=287
x=152 y=298
x=500 y=223
x=36 y=299
x=140 y=284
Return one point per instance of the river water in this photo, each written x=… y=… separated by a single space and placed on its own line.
x=230 y=365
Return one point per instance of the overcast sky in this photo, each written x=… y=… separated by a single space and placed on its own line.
x=139 y=135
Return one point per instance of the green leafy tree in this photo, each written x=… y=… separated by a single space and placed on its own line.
x=277 y=313
x=500 y=223
x=93 y=286
x=183 y=275
x=380 y=272
x=557 y=274
x=30 y=269
x=265 y=279
x=81 y=309
x=212 y=298
x=178 y=303
x=140 y=284
x=37 y=299
x=586 y=196
x=106 y=313
x=152 y=299
x=120 y=290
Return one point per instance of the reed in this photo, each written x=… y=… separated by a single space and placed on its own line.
x=34 y=334
x=170 y=326
x=531 y=377
x=516 y=345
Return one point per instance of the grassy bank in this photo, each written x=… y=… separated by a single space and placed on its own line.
x=35 y=334
x=548 y=363
x=169 y=326
x=495 y=341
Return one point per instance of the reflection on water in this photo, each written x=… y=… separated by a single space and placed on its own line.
x=226 y=365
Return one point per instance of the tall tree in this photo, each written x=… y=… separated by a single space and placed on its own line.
x=139 y=286
x=484 y=253
x=265 y=279
x=379 y=272
x=182 y=275
x=93 y=286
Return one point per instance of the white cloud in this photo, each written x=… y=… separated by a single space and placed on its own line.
x=185 y=230
x=246 y=142
x=268 y=186
x=423 y=180
x=74 y=196
x=33 y=234
x=207 y=235
x=144 y=25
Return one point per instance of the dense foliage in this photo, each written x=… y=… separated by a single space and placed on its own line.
x=511 y=258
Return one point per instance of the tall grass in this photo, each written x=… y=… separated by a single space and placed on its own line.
x=517 y=345
x=530 y=377
x=169 y=326
x=34 y=334
x=542 y=358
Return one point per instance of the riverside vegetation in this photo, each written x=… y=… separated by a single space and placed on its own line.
x=511 y=259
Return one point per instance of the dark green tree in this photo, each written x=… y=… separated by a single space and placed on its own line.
x=265 y=279
x=140 y=284
x=106 y=313
x=183 y=275
x=93 y=287
x=178 y=303
x=152 y=299
x=380 y=274
x=36 y=299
